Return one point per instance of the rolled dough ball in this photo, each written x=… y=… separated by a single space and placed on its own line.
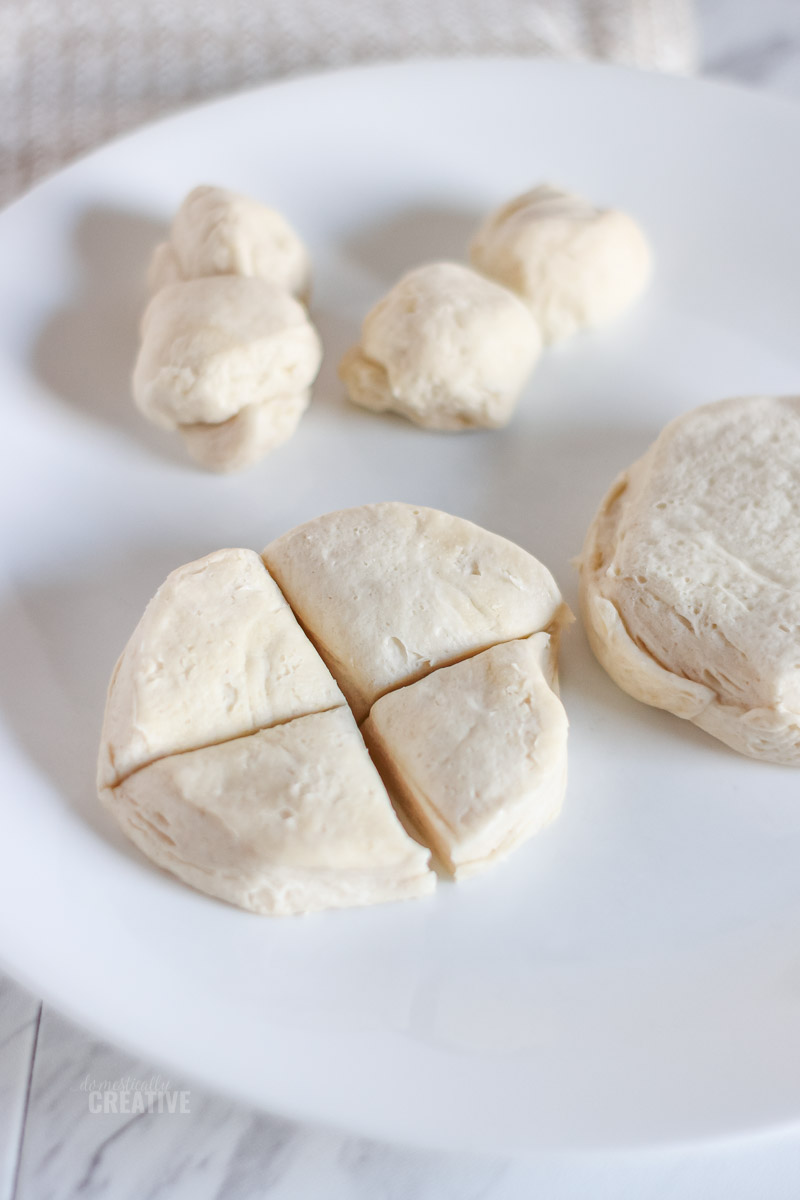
x=391 y=591
x=446 y=348
x=477 y=751
x=247 y=437
x=217 y=232
x=211 y=347
x=690 y=575
x=574 y=265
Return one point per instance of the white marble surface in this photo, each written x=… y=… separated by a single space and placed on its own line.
x=220 y=1150
x=53 y=1147
x=20 y=1015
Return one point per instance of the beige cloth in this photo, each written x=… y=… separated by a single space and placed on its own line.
x=74 y=73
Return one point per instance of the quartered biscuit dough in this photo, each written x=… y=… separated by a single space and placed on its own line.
x=572 y=263
x=690 y=575
x=446 y=348
x=228 y=753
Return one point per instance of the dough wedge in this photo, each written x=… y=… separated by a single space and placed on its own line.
x=476 y=753
x=389 y=592
x=218 y=653
x=288 y=820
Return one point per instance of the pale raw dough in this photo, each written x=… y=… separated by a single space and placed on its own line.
x=211 y=347
x=690 y=575
x=228 y=753
x=247 y=437
x=477 y=751
x=574 y=264
x=218 y=232
x=388 y=592
x=218 y=653
x=291 y=819
x=446 y=348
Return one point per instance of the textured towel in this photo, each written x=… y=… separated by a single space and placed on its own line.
x=75 y=72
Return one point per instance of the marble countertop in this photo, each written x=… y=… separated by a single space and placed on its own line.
x=53 y=1146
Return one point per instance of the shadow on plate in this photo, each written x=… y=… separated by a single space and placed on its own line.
x=86 y=350
x=59 y=639
x=338 y=334
x=410 y=238
x=541 y=487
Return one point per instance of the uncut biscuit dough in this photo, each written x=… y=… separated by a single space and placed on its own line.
x=446 y=348
x=218 y=653
x=477 y=751
x=211 y=347
x=219 y=232
x=388 y=592
x=288 y=820
x=574 y=265
x=690 y=575
x=243 y=439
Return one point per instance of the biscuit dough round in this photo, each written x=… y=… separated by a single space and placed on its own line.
x=219 y=232
x=446 y=348
x=211 y=347
x=574 y=265
x=690 y=575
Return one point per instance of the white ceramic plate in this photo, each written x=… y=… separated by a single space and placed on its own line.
x=633 y=974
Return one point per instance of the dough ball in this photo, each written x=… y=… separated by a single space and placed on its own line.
x=217 y=232
x=212 y=347
x=690 y=575
x=244 y=439
x=574 y=265
x=446 y=348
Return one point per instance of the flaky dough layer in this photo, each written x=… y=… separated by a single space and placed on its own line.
x=690 y=575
